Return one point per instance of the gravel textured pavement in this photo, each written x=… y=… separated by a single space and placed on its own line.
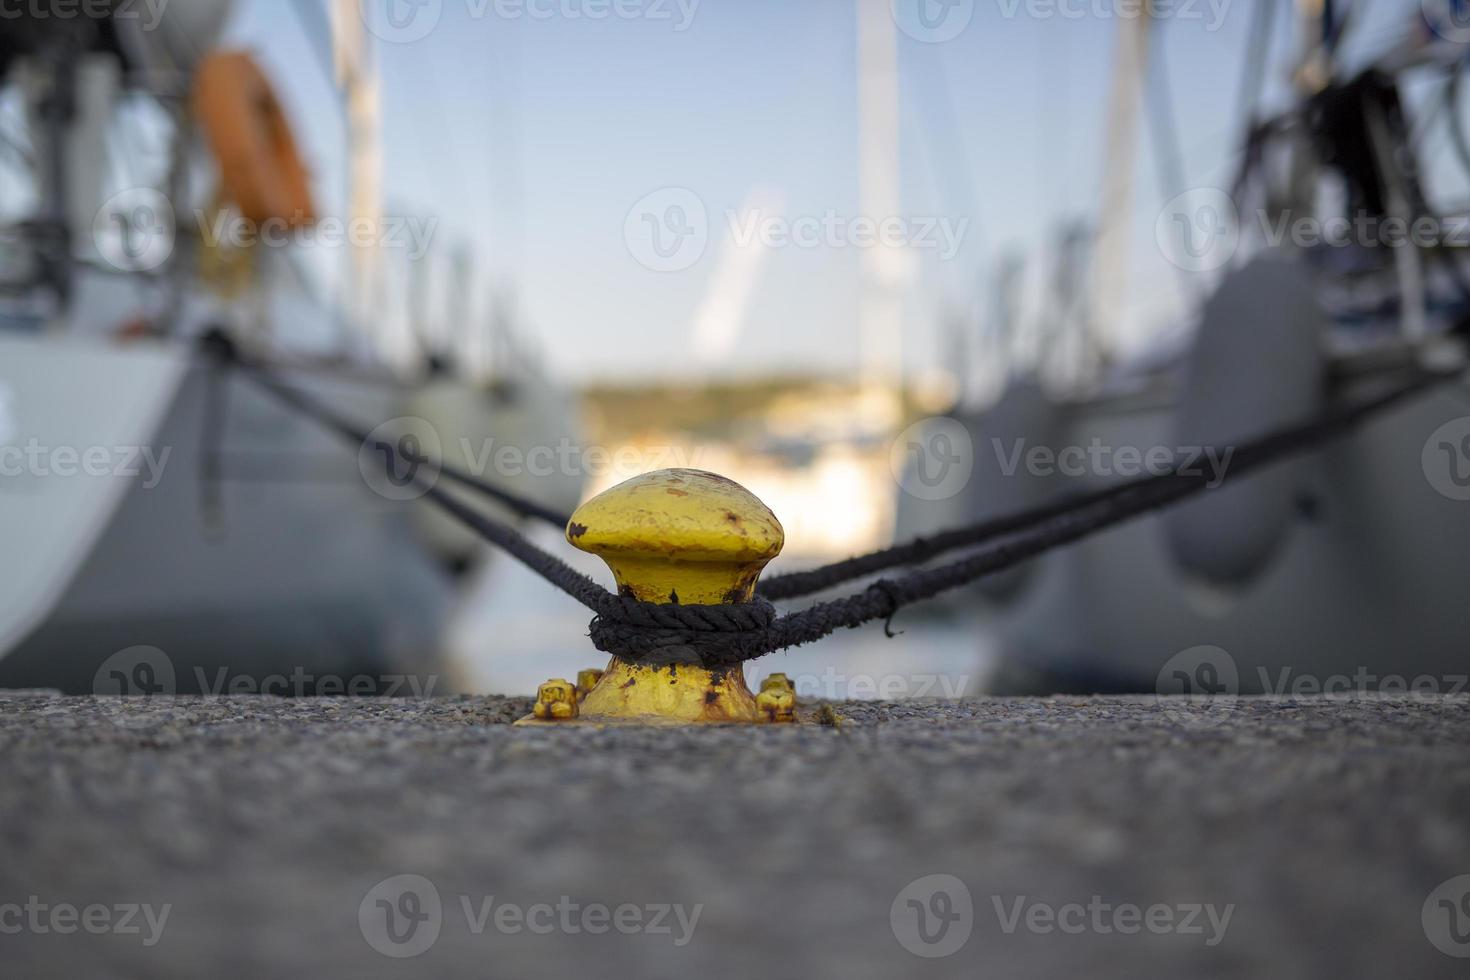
x=1129 y=837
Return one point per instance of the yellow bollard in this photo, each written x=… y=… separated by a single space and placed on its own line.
x=587 y=680
x=676 y=536
x=777 y=699
x=556 y=700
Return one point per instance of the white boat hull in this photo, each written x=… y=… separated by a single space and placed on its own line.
x=285 y=563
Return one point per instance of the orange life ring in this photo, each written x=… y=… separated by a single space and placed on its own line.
x=260 y=169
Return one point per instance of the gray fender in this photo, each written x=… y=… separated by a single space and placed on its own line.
x=1257 y=363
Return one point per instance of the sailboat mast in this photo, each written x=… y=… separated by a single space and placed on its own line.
x=357 y=78
x=884 y=267
x=1109 y=286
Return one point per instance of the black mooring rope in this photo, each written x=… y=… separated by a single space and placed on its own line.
x=308 y=405
x=792 y=585
x=723 y=636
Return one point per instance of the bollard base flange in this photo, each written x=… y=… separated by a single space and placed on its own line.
x=629 y=694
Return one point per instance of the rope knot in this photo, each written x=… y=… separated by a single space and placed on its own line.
x=660 y=634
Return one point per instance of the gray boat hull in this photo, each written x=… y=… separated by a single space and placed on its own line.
x=1365 y=590
x=282 y=572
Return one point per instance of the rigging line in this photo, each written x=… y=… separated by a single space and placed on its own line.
x=305 y=403
x=1253 y=78
x=1169 y=161
x=793 y=585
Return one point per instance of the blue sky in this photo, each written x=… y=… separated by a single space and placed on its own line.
x=529 y=139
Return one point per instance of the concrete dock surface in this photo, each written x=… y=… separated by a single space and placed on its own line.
x=1100 y=837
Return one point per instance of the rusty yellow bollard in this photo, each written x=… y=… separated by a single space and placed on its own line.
x=777 y=699
x=587 y=680
x=676 y=536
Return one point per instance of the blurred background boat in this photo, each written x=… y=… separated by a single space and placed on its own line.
x=153 y=499
x=1344 y=563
